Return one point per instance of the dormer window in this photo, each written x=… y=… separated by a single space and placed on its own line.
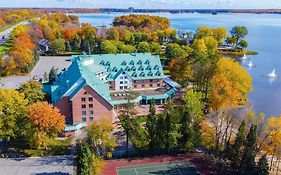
x=124 y=63
x=150 y=74
x=148 y=68
x=156 y=67
x=132 y=62
x=139 y=62
x=142 y=74
x=141 y=68
x=114 y=69
x=147 y=62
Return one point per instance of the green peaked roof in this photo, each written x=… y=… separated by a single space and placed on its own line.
x=86 y=69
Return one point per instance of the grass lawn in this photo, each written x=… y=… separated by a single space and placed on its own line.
x=5 y=47
x=55 y=147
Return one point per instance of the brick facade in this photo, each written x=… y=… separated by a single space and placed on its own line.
x=95 y=109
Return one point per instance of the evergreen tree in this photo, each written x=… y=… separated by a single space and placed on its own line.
x=151 y=125
x=247 y=166
x=53 y=74
x=76 y=43
x=236 y=149
x=84 y=159
x=67 y=46
x=262 y=167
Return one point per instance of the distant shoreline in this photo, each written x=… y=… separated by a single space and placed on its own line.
x=132 y=10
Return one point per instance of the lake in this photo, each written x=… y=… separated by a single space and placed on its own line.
x=264 y=37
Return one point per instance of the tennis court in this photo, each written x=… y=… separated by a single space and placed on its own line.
x=170 y=168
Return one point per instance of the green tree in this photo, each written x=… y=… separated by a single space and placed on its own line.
x=155 y=48
x=248 y=164
x=174 y=51
x=76 y=43
x=126 y=120
x=84 y=159
x=238 y=33
x=67 y=46
x=13 y=115
x=151 y=125
x=143 y=47
x=57 y=46
x=108 y=47
x=262 y=167
x=235 y=151
x=32 y=91
x=53 y=74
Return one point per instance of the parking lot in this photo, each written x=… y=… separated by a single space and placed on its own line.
x=45 y=64
x=55 y=165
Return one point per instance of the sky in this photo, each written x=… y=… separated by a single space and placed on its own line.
x=170 y=4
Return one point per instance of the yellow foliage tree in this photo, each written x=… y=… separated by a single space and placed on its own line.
x=230 y=85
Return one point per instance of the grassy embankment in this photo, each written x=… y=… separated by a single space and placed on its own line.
x=238 y=52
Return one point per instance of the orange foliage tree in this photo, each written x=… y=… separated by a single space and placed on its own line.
x=46 y=121
x=21 y=54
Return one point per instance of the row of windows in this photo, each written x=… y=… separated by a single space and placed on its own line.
x=135 y=86
x=125 y=77
x=84 y=99
x=84 y=119
x=150 y=85
x=125 y=82
x=85 y=112
x=84 y=106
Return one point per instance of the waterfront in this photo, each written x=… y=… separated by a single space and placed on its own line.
x=264 y=37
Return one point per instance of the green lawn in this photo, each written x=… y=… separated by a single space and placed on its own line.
x=5 y=47
x=55 y=147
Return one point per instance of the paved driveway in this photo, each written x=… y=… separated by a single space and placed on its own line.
x=45 y=64
x=56 y=165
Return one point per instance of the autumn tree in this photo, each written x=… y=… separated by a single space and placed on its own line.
x=13 y=116
x=230 y=85
x=32 y=91
x=22 y=54
x=99 y=138
x=46 y=122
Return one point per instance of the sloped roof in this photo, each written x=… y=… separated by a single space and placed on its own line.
x=123 y=61
x=84 y=68
x=78 y=75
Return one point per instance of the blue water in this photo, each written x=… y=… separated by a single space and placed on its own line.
x=264 y=37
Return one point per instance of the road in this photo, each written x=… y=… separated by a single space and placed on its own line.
x=5 y=35
x=53 y=165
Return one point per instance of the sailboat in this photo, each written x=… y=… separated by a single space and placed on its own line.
x=250 y=64
x=244 y=57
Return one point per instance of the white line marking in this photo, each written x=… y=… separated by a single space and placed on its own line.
x=178 y=169
x=136 y=171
